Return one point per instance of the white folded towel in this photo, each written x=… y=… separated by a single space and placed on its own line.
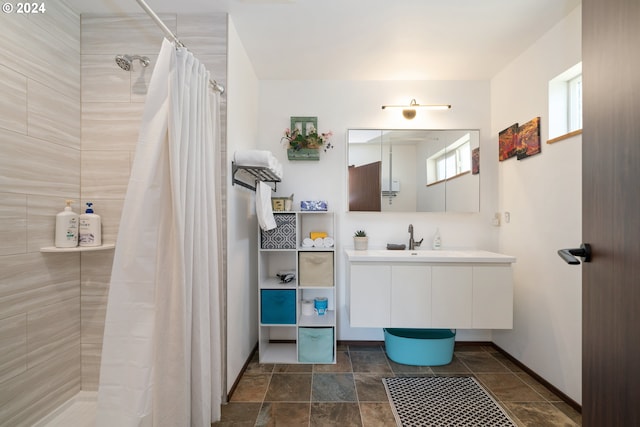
x=253 y=157
x=264 y=211
x=258 y=158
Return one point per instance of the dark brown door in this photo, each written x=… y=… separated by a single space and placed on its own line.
x=611 y=212
x=364 y=187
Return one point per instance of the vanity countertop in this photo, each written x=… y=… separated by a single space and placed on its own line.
x=422 y=255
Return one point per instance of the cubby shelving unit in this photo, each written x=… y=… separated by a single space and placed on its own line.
x=285 y=334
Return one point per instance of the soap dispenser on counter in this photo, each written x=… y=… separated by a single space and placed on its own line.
x=66 y=228
x=437 y=240
x=90 y=228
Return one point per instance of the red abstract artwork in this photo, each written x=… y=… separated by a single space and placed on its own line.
x=475 y=161
x=507 y=142
x=528 y=139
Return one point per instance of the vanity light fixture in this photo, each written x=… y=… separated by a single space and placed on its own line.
x=409 y=111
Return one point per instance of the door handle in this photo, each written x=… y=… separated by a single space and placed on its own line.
x=569 y=255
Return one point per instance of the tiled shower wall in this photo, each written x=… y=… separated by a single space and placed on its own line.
x=53 y=95
x=112 y=105
x=39 y=169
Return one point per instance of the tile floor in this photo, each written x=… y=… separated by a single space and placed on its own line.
x=351 y=393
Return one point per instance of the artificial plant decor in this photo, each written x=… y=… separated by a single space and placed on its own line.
x=360 y=240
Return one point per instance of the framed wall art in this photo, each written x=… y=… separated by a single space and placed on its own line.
x=475 y=161
x=507 y=142
x=528 y=139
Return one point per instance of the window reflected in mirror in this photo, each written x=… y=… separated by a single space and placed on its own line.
x=412 y=170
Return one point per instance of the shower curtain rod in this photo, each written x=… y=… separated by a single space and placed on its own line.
x=214 y=84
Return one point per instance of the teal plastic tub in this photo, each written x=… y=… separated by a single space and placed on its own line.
x=420 y=347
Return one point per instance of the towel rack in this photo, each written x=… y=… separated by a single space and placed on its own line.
x=258 y=173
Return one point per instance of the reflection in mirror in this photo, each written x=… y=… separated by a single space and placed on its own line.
x=412 y=170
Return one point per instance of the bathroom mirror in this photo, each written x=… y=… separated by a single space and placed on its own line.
x=409 y=170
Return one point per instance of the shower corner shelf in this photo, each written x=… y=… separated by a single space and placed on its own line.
x=257 y=173
x=105 y=247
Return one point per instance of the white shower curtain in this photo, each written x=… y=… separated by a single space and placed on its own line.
x=161 y=357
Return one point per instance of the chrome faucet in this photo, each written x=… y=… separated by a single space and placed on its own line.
x=412 y=243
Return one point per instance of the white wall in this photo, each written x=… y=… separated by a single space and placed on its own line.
x=242 y=276
x=543 y=195
x=340 y=105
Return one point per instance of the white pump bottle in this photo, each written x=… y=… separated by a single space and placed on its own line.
x=90 y=228
x=66 y=228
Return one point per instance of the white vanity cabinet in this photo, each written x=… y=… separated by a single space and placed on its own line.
x=390 y=295
x=411 y=293
x=369 y=297
x=430 y=289
x=492 y=297
x=452 y=296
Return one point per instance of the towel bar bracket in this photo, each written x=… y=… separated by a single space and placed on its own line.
x=257 y=173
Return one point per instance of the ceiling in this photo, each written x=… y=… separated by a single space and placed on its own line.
x=372 y=39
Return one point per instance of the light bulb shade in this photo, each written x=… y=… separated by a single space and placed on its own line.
x=408 y=114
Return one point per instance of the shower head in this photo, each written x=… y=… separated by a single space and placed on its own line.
x=125 y=61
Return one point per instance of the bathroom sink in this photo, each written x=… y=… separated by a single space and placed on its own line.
x=425 y=255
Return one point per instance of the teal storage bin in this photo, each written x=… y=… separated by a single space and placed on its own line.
x=315 y=345
x=420 y=347
x=278 y=306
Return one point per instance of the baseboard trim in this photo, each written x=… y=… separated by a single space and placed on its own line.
x=242 y=371
x=569 y=401
x=360 y=343
x=458 y=344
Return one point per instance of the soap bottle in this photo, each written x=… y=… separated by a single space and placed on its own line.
x=66 y=228
x=90 y=228
x=437 y=240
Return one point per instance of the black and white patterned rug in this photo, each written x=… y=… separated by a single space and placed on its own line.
x=443 y=401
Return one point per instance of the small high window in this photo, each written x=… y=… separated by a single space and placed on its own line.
x=450 y=162
x=565 y=102
x=575 y=103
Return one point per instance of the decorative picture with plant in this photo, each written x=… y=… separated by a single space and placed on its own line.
x=303 y=139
